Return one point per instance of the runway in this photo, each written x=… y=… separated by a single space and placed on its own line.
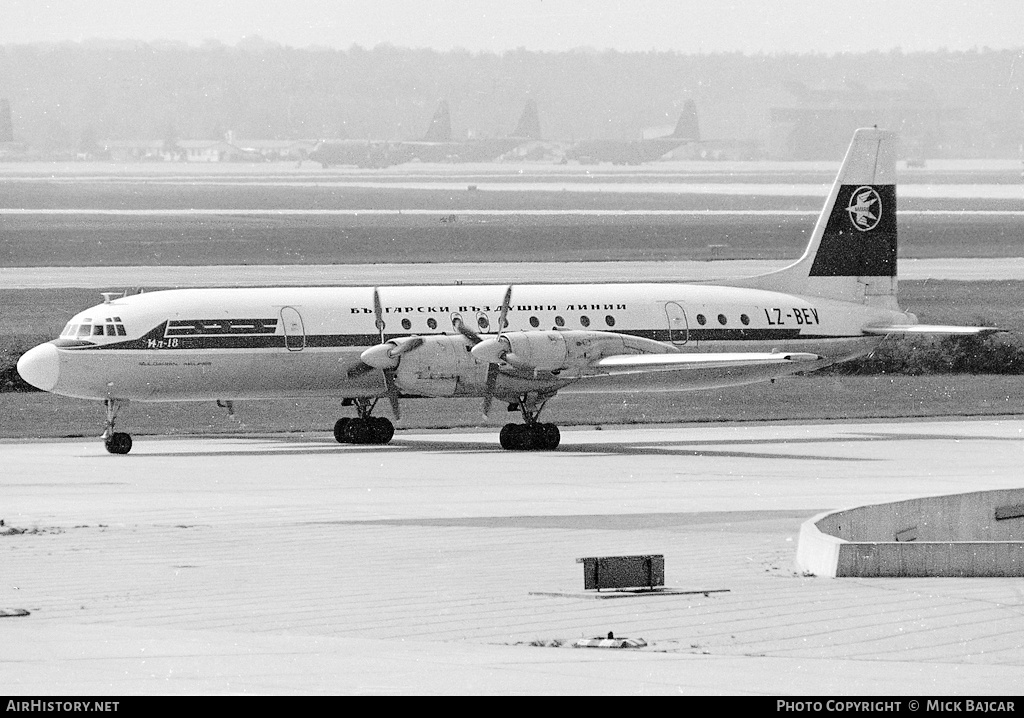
x=292 y=564
x=1001 y=268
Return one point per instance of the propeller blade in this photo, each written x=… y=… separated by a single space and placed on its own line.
x=502 y=321
x=378 y=312
x=493 y=351
x=408 y=345
x=392 y=392
x=461 y=328
x=492 y=380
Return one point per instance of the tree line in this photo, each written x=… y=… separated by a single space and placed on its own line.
x=65 y=95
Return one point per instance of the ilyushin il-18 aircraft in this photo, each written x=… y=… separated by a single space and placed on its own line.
x=519 y=345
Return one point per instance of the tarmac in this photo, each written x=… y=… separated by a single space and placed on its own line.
x=290 y=564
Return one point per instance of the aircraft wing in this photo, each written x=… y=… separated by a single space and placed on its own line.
x=643 y=363
x=912 y=329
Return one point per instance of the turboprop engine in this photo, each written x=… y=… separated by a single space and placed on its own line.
x=567 y=353
x=445 y=365
x=429 y=366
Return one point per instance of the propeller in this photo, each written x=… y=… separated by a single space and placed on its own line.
x=378 y=322
x=498 y=350
x=493 y=368
x=388 y=354
x=390 y=388
x=385 y=356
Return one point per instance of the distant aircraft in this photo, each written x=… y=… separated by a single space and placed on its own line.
x=437 y=144
x=635 y=152
x=361 y=153
x=519 y=345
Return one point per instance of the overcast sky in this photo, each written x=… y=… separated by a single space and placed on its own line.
x=687 y=26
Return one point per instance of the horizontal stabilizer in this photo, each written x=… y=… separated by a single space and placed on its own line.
x=635 y=363
x=910 y=329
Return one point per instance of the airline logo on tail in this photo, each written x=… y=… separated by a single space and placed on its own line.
x=871 y=250
x=865 y=208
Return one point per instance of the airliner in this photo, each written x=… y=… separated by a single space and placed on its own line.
x=519 y=345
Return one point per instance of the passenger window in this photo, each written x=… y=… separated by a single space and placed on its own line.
x=701 y=319
x=406 y=324
x=110 y=331
x=722 y=320
x=559 y=322
x=585 y=321
x=609 y=320
x=745 y=319
x=432 y=323
x=534 y=322
x=483 y=322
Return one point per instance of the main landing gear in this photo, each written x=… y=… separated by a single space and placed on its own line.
x=116 y=442
x=531 y=435
x=364 y=429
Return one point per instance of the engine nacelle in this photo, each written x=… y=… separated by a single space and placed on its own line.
x=555 y=351
x=440 y=366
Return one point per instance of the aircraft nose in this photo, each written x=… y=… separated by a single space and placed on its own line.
x=40 y=366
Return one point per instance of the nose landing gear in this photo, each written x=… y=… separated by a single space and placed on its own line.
x=364 y=429
x=116 y=442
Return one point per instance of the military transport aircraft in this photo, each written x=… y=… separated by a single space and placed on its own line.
x=437 y=144
x=636 y=152
x=519 y=345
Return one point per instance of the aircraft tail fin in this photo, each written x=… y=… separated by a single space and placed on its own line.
x=687 y=127
x=440 y=129
x=851 y=255
x=529 y=122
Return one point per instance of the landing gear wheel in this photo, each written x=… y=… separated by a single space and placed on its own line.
x=118 y=443
x=550 y=436
x=383 y=431
x=339 y=430
x=364 y=430
x=507 y=437
x=357 y=432
x=529 y=437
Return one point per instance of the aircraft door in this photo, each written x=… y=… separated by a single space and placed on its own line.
x=678 y=328
x=294 y=333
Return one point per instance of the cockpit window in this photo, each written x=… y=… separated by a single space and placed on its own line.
x=84 y=330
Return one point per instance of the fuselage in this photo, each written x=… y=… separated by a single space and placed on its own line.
x=200 y=344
